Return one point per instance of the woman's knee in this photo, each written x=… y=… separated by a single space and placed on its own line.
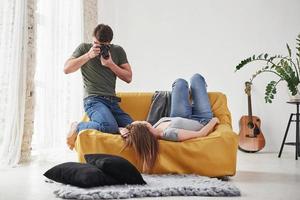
x=197 y=79
x=180 y=82
x=197 y=76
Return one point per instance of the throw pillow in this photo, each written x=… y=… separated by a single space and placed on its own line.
x=78 y=174
x=117 y=167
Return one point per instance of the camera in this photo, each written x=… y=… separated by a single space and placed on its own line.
x=104 y=51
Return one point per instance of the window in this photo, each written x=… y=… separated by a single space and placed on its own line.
x=58 y=96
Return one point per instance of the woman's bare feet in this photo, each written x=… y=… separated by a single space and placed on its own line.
x=71 y=138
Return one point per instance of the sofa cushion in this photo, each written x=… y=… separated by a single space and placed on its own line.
x=117 y=167
x=78 y=174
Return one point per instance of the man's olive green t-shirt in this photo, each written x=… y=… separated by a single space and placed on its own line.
x=98 y=79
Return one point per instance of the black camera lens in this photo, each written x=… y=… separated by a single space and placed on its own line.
x=104 y=51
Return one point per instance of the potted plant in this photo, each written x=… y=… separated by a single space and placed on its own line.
x=284 y=67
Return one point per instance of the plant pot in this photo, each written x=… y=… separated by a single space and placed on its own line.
x=295 y=97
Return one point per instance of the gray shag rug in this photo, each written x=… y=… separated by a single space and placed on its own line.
x=157 y=186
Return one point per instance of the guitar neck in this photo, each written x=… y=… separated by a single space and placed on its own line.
x=249 y=108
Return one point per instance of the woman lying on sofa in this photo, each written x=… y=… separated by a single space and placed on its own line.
x=187 y=120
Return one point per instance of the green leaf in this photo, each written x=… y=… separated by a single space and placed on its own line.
x=243 y=63
x=289 y=49
x=298 y=47
x=282 y=66
x=270 y=91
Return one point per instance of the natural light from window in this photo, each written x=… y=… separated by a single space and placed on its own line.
x=58 y=96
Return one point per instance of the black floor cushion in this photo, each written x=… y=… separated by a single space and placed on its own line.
x=117 y=167
x=78 y=174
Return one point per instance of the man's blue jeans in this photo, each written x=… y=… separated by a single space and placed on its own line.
x=105 y=115
x=199 y=109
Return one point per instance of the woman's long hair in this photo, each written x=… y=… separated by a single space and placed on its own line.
x=144 y=144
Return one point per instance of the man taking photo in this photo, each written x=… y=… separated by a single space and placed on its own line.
x=100 y=63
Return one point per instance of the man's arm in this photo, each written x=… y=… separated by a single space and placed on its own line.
x=73 y=64
x=123 y=71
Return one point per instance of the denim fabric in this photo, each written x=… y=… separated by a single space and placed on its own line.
x=199 y=109
x=105 y=115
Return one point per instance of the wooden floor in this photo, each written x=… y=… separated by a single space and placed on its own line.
x=259 y=176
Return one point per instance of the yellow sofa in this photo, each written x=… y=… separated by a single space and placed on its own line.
x=212 y=156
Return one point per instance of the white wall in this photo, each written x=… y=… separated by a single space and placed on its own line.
x=169 y=39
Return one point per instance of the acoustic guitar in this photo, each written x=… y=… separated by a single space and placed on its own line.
x=251 y=139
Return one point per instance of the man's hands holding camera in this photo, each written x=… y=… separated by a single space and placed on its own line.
x=103 y=53
x=107 y=62
x=94 y=51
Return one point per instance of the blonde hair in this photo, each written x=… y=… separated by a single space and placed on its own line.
x=144 y=144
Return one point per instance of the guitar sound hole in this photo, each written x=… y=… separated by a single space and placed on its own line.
x=250 y=125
